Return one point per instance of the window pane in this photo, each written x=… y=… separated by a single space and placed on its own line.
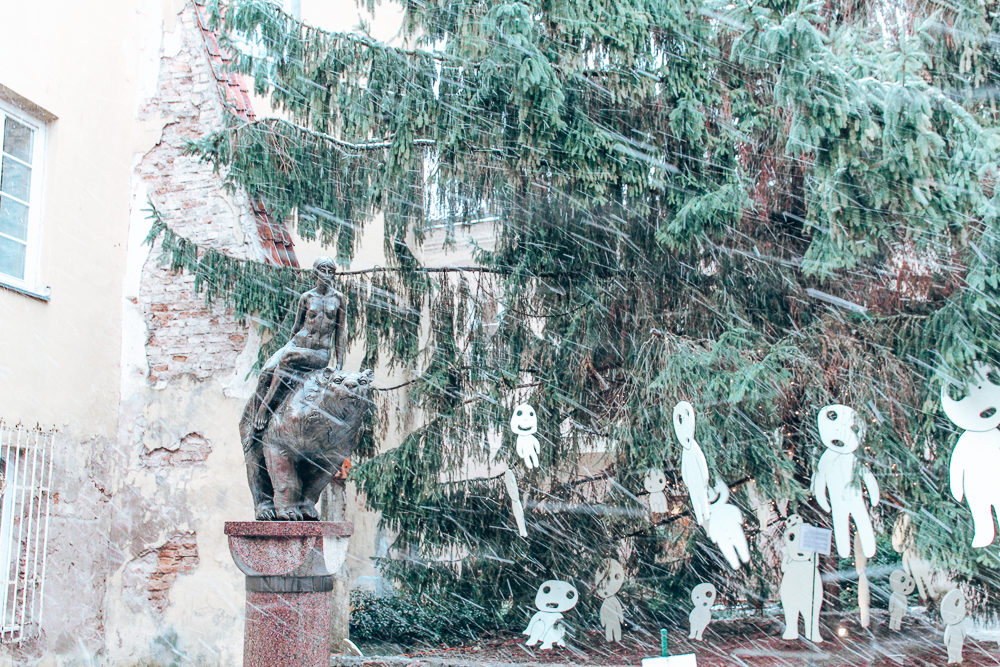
x=13 y=218
x=17 y=140
x=15 y=178
x=12 y=258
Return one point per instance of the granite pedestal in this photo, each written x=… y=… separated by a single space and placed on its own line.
x=290 y=569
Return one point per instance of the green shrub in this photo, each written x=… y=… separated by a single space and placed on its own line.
x=406 y=618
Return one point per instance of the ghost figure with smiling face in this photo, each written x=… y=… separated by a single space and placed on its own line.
x=553 y=598
x=694 y=468
x=610 y=578
x=975 y=461
x=524 y=424
x=654 y=482
x=841 y=429
x=703 y=597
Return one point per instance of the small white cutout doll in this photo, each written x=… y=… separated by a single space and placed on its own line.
x=953 y=613
x=703 y=597
x=801 y=588
x=553 y=598
x=694 y=468
x=904 y=543
x=975 y=461
x=842 y=430
x=610 y=578
x=902 y=585
x=654 y=482
x=725 y=528
x=524 y=424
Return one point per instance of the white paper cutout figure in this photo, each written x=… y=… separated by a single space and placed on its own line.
x=694 y=468
x=515 y=500
x=842 y=430
x=801 y=588
x=957 y=625
x=703 y=597
x=915 y=566
x=725 y=528
x=524 y=424
x=654 y=482
x=975 y=461
x=864 y=588
x=902 y=585
x=609 y=581
x=553 y=598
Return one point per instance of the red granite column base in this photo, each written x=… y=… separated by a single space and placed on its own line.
x=288 y=629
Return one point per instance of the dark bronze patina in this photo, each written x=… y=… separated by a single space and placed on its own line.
x=307 y=414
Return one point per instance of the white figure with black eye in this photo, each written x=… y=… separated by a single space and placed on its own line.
x=610 y=578
x=902 y=585
x=694 y=468
x=842 y=431
x=975 y=461
x=553 y=598
x=918 y=568
x=956 y=623
x=524 y=424
x=703 y=597
x=801 y=588
x=654 y=482
x=725 y=528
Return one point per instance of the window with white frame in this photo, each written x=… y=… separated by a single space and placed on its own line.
x=20 y=196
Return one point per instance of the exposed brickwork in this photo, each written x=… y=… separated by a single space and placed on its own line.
x=185 y=337
x=147 y=578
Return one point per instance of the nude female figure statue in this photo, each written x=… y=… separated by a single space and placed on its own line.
x=319 y=331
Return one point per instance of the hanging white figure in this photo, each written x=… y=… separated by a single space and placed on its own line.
x=902 y=585
x=703 y=597
x=694 y=468
x=975 y=461
x=524 y=424
x=553 y=598
x=801 y=588
x=915 y=566
x=725 y=528
x=864 y=587
x=842 y=430
x=610 y=578
x=654 y=482
x=953 y=613
x=515 y=501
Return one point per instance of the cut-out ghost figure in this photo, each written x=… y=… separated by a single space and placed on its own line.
x=553 y=598
x=864 y=588
x=725 y=528
x=703 y=597
x=654 y=482
x=842 y=430
x=609 y=581
x=915 y=566
x=515 y=500
x=524 y=424
x=694 y=468
x=956 y=623
x=801 y=588
x=902 y=585
x=975 y=461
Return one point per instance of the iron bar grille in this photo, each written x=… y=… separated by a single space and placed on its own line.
x=25 y=475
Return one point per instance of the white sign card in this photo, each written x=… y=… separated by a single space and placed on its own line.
x=816 y=539
x=686 y=660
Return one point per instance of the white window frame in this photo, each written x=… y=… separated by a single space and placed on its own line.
x=30 y=283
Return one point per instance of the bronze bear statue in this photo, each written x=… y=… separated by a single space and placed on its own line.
x=305 y=442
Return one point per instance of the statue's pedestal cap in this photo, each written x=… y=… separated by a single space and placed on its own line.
x=290 y=569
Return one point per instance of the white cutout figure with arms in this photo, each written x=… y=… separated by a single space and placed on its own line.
x=694 y=468
x=524 y=424
x=975 y=461
x=918 y=568
x=610 y=578
x=725 y=528
x=553 y=598
x=654 y=482
x=902 y=585
x=703 y=597
x=957 y=625
x=842 y=430
x=801 y=588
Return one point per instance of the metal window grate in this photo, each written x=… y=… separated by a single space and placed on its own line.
x=26 y=471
